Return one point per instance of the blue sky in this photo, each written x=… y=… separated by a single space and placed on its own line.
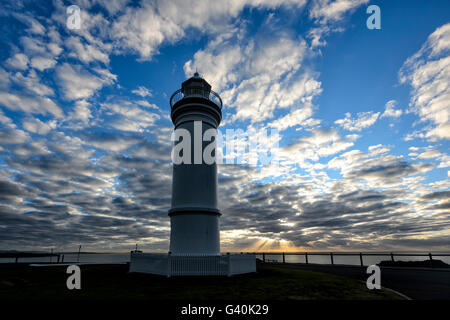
x=362 y=115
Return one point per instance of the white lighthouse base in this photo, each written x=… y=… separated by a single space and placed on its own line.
x=186 y=265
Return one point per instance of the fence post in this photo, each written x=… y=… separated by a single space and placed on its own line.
x=264 y=257
x=332 y=260
x=169 y=265
x=361 y=259
x=284 y=260
x=229 y=264
x=431 y=259
x=17 y=259
x=306 y=257
x=79 y=249
x=392 y=257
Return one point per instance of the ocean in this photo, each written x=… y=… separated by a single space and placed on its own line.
x=113 y=258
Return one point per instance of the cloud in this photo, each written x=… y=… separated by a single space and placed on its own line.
x=322 y=142
x=78 y=83
x=28 y=104
x=128 y=116
x=18 y=61
x=42 y=63
x=386 y=170
x=328 y=15
x=325 y=11
x=142 y=91
x=428 y=73
x=429 y=154
x=299 y=117
x=8 y=188
x=257 y=77
x=81 y=111
x=362 y=120
x=33 y=46
x=115 y=142
x=6 y=121
x=13 y=136
x=377 y=168
x=144 y=28
x=112 y=6
x=438 y=195
x=390 y=110
x=102 y=176
x=32 y=83
x=217 y=67
x=120 y=197
x=35 y=27
x=37 y=126
x=85 y=52
x=296 y=215
x=5 y=82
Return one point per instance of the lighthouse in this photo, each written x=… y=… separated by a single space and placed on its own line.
x=196 y=112
x=194 y=249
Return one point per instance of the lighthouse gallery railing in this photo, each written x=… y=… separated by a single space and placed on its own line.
x=195 y=92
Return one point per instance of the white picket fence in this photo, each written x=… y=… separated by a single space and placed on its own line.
x=154 y=263
x=192 y=265
x=241 y=263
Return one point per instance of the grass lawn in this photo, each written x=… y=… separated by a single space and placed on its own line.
x=114 y=282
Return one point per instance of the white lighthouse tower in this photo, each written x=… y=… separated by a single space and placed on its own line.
x=194 y=216
x=196 y=112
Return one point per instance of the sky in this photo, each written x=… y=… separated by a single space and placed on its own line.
x=362 y=117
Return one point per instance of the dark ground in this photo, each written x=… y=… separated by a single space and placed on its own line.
x=19 y=282
x=415 y=264
x=416 y=283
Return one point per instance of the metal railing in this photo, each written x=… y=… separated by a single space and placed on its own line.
x=332 y=255
x=196 y=92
